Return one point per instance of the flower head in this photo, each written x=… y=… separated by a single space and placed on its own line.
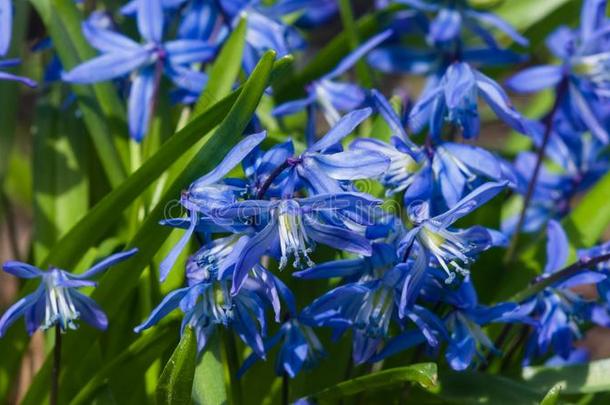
x=57 y=301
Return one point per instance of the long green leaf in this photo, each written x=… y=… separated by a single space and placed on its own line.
x=578 y=379
x=423 y=374
x=552 y=397
x=102 y=109
x=209 y=385
x=117 y=284
x=144 y=350
x=176 y=382
x=225 y=69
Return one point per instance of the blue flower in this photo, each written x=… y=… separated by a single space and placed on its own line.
x=300 y=349
x=558 y=310
x=452 y=15
x=208 y=304
x=330 y=96
x=122 y=56
x=56 y=301
x=584 y=67
x=290 y=228
x=465 y=323
x=452 y=250
x=368 y=308
x=455 y=98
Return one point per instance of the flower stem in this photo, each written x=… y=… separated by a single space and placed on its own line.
x=563 y=274
x=561 y=89
x=285 y=389
x=233 y=366
x=56 y=366
x=269 y=180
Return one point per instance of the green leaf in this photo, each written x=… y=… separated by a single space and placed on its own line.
x=101 y=107
x=423 y=374
x=143 y=352
x=578 y=379
x=590 y=218
x=552 y=397
x=225 y=69
x=176 y=381
x=116 y=285
x=209 y=385
x=470 y=387
x=523 y=14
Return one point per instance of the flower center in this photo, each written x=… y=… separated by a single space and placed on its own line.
x=293 y=236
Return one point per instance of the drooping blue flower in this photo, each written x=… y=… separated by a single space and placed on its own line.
x=333 y=98
x=368 y=308
x=207 y=304
x=584 y=68
x=146 y=62
x=57 y=301
x=465 y=323
x=453 y=16
x=558 y=309
x=300 y=349
x=451 y=250
x=455 y=99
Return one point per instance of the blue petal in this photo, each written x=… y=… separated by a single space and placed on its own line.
x=397 y=59
x=19 y=308
x=232 y=159
x=336 y=268
x=169 y=261
x=141 y=102
x=150 y=20
x=252 y=252
x=185 y=51
x=557 y=247
x=246 y=329
x=470 y=202
x=400 y=343
x=107 y=262
x=352 y=165
x=353 y=57
x=535 y=78
x=23 y=80
x=461 y=348
x=169 y=303
x=89 y=311
x=294 y=106
x=107 y=66
x=343 y=128
x=500 y=24
x=478 y=159
x=338 y=238
x=499 y=102
x=22 y=270
x=108 y=41
x=588 y=116
x=199 y=20
x=446 y=26
x=592 y=16
x=6 y=25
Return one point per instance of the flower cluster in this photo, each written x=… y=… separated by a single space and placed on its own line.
x=377 y=201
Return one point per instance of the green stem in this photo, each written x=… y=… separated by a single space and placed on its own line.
x=232 y=359
x=563 y=274
x=56 y=367
x=349 y=25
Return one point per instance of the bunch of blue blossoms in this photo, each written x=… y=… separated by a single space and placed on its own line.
x=404 y=277
x=397 y=265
